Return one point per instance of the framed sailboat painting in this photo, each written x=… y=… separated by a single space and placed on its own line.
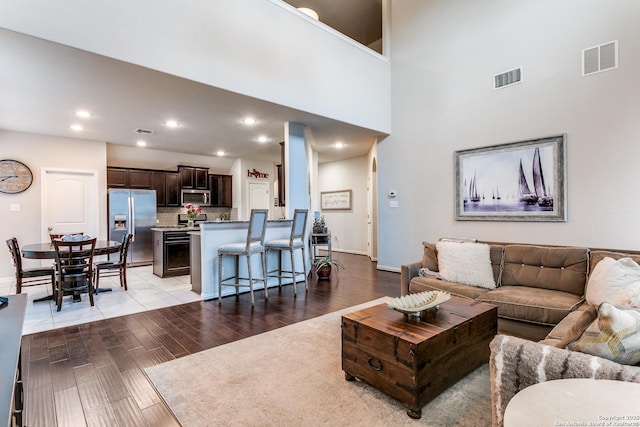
x=518 y=181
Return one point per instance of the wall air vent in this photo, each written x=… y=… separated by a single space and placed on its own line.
x=507 y=78
x=600 y=58
x=140 y=131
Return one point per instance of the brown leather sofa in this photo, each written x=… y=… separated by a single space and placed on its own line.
x=537 y=286
x=540 y=296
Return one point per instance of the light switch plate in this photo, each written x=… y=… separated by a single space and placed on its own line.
x=393 y=204
x=14 y=207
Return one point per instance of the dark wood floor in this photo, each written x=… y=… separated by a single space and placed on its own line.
x=92 y=374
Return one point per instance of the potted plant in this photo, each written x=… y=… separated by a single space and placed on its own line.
x=319 y=225
x=322 y=267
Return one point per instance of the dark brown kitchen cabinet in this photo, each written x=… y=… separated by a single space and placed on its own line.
x=167 y=188
x=221 y=190
x=140 y=179
x=193 y=178
x=173 y=189
x=117 y=178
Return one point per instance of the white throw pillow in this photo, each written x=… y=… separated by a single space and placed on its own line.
x=467 y=263
x=616 y=282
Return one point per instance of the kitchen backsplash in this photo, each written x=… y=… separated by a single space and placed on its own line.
x=169 y=216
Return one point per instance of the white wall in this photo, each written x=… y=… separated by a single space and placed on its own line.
x=265 y=49
x=38 y=151
x=240 y=194
x=348 y=227
x=444 y=54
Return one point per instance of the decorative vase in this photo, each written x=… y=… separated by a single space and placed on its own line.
x=189 y=222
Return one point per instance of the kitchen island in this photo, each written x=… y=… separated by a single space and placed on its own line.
x=213 y=234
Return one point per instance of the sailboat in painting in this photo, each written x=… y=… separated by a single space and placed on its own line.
x=526 y=195
x=545 y=198
x=540 y=194
x=473 y=190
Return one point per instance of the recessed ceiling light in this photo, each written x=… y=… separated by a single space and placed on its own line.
x=249 y=121
x=83 y=114
x=309 y=12
x=220 y=153
x=141 y=143
x=171 y=124
x=77 y=128
x=262 y=139
x=338 y=145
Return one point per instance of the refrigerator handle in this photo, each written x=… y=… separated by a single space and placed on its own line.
x=132 y=218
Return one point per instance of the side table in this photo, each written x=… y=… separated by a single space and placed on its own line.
x=575 y=402
x=320 y=239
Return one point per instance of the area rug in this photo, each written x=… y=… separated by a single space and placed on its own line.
x=292 y=376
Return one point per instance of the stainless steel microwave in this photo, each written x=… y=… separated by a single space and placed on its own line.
x=196 y=197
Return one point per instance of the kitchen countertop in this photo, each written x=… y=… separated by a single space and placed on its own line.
x=174 y=228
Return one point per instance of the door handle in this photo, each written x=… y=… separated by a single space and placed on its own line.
x=132 y=219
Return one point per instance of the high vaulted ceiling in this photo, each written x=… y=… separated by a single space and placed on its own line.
x=42 y=83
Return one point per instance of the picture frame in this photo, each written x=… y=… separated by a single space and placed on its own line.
x=518 y=181
x=335 y=200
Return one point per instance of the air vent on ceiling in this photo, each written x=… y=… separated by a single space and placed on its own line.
x=145 y=132
x=600 y=58
x=507 y=78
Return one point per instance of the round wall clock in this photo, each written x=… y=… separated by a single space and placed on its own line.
x=15 y=176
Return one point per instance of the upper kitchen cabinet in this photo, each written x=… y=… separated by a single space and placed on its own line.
x=167 y=186
x=221 y=186
x=193 y=177
x=129 y=178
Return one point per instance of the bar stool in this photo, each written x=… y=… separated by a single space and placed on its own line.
x=295 y=241
x=253 y=245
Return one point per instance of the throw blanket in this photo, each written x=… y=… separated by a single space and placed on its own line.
x=516 y=364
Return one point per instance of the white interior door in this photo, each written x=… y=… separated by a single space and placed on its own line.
x=259 y=197
x=69 y=202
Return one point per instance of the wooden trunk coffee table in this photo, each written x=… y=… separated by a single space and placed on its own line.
x=414 y=361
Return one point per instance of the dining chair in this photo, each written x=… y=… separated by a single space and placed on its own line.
x=111 y=268
x=296 y=241
x=29 y=276
x=74 y=268
x=252 y=246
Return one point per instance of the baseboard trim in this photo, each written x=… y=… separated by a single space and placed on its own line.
x=385 y=268
x=349 y=251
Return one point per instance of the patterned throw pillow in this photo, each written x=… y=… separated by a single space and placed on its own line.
x=614 y=335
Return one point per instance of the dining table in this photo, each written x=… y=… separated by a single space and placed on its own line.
x=47 y=251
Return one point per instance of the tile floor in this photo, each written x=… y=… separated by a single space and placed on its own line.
x=146 y=292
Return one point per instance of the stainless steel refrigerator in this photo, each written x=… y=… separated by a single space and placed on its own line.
x=133 y=211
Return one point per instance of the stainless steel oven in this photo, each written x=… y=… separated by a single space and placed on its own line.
x=177 y=253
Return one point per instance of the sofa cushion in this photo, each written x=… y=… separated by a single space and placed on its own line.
x=537 y=305
x=616 y=281
x=560 y=330
x=614 y=335
x=466 y=263
x=597 y=256
x=429 y=256
x=423 y=284
x=581 y=322
x=555 y=268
